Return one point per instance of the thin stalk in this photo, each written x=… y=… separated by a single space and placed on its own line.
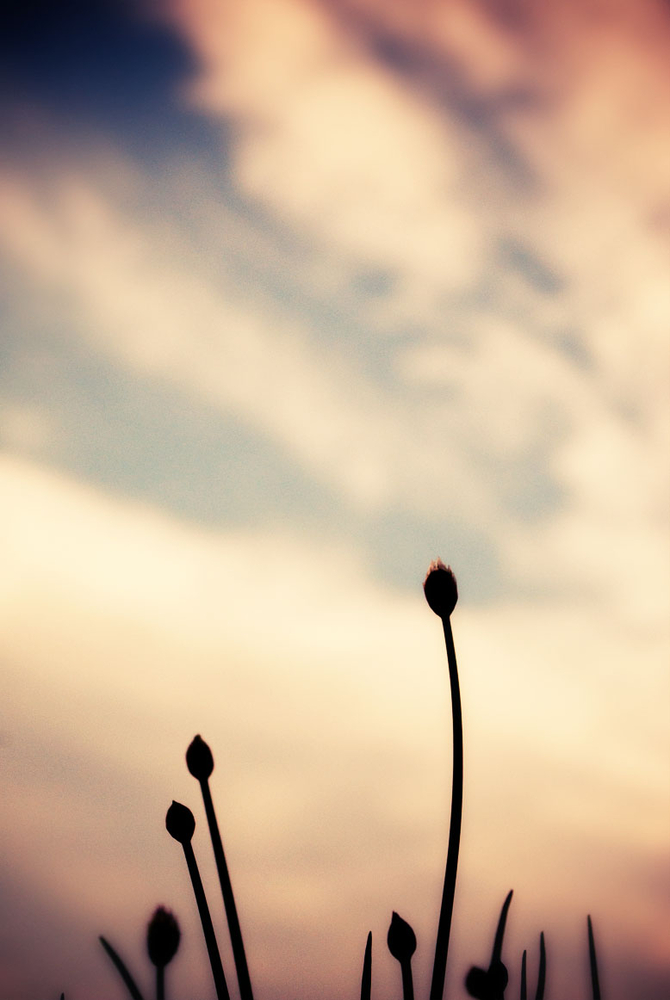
x=523 y=995
x=448 y=892
x=407 y=981
x=122 y=969
x=206 y=921
x=236 y=941
x=160 y=982
x=366 y=979
x=593 y=962
x=542 y=972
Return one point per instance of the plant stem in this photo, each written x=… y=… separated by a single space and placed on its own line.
x=523 y=977
x=236 y=941
x=447 y=907
x=366 y=979
x=407 y=982
x=122 y=969
x=593 y=962
x=160 y=982
x=206 y=921
x=542 y=972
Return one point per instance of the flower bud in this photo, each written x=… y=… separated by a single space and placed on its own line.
x=487 y=984
x=180 y=822
x=440 y=589
x=199 y=759
x=163 y=936
x=401 y=939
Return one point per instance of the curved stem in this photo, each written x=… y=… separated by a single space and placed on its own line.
x=122 y=969
x=523 y=977
x=448 y=892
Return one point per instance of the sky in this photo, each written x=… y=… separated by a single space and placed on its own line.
x=297 y=296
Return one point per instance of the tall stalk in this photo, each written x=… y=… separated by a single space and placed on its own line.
x=442 y=593
x=180 y=824
x=200 y=763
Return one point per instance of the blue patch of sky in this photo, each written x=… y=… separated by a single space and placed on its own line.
x=143 y=439
x=96 y=65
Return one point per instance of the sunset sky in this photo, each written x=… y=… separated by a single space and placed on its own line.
x=297 y=296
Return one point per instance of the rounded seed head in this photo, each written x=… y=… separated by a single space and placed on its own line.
x=163 y=936
x=180 y=822
x=487 y=984
x=401 y=939
x=199 y=759
x=440 y=589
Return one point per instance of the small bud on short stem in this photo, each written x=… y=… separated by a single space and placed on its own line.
x=163 y=936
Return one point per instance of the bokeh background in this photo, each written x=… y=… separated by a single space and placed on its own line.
x=297 y=296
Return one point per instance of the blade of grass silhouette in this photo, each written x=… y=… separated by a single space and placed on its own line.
x=366 y=978
x=402 y=945
x=522 y=995
x=542 y=972
x=200 y=763
x=180 y=825
x=496 y=954
x=122 y=969
x=593 y=962
x=441 y=593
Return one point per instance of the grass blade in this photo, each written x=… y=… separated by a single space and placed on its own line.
x=366 y=979
x=593 y=962
x=122 y=969
x=542 y=973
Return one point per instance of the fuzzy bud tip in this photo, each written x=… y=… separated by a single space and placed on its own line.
x=163 y=937
x=440 y=589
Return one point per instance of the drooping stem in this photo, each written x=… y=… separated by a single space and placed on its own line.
x=593 y=962
x=366 y=978
x=236 y=941
x=448 y=892
x=207 y=926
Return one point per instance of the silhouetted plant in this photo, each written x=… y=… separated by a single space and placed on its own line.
x=593 y=963
x=200 y=763
x=163 y=936
x=490 y=984
x=441 y=593
x=180 y=824
x=366 y=978
x=401 y=941
x=122 y=969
